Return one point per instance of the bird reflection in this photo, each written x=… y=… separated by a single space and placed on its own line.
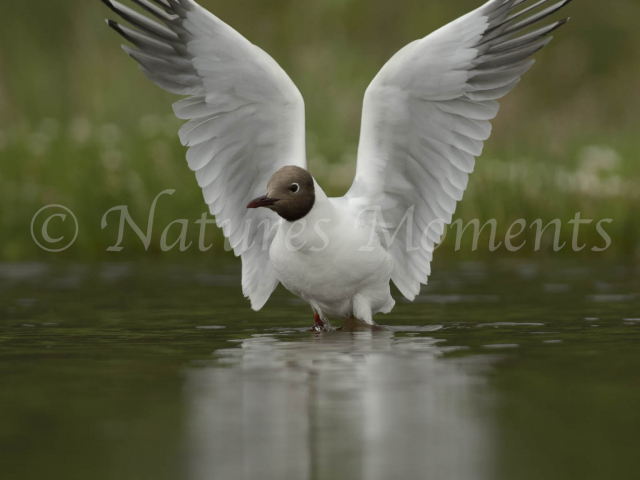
x=367 y=405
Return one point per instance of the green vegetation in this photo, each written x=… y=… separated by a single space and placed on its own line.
x=82 y=127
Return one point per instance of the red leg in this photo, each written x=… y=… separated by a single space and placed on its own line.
x=318 y=325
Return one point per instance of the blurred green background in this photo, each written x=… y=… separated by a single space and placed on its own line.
x=82 y=127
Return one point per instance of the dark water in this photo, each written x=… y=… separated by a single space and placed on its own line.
x=508 y=371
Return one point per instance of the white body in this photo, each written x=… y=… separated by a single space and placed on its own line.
x=338 y=267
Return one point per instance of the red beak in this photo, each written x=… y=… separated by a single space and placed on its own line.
x=263 y=201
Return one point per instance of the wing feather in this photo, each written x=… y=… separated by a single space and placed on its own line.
x=425 y=118
x=245 y=118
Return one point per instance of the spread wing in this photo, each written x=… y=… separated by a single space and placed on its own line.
x=425 y=118
x=245 y=118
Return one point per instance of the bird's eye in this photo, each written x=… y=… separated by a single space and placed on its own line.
x=294 y=187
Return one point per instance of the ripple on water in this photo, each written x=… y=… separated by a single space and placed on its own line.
x=510 y=324
x=605 y=287
x=415 y=328
x=499 y=346
x=115 y=272
x=556 y=287
x=456 y=298
x=26 y=302
x=612 y=298
x=528 y=270
x=23 y=271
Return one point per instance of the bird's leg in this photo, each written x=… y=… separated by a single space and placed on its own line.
x=321 y=324
x=318 y=326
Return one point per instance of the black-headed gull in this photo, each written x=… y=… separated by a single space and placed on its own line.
x=425 y=118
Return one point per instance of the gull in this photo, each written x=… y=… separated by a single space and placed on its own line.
x=425 y=117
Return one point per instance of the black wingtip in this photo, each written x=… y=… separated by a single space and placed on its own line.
x=109 y=4
x=115 y=25
x=557 y=25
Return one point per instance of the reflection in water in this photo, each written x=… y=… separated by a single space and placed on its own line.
x=350 y=406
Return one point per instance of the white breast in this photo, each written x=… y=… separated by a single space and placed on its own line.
x=339 y=268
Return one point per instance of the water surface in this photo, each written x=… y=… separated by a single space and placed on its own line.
x=502 y=371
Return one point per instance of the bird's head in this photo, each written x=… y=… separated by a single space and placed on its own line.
x=290 y=193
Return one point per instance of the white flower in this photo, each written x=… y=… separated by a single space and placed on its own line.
x=595 y=159
x=80 y=130
x=38 y=143
x=109 y=135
